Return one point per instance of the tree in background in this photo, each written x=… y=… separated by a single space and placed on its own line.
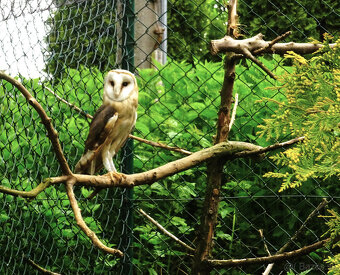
x=192 y=24
x=304 y=18
x=85 y=32
x=81 y=34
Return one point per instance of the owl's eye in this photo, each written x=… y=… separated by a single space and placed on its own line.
x=125 y=83
x=112 y=83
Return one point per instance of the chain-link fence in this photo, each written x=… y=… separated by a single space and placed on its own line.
x=61 y=50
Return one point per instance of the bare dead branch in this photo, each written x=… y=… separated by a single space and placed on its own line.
x=164 y=231
x=274 y=41
x=269 y=148
x=249 y=55
x=298 y=232
x=81 y=223
x=268 y=259
x=68 y=103
x=228 y=44
x=233 y=115
x=227 y=150
x=41 y=269
x=51 y=132
x=264 y=242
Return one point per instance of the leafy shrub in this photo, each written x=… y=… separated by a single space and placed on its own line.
x=311 y=110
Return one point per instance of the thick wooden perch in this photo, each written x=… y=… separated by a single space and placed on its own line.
x=227 y=150
x=257 y=45
x=216 y=165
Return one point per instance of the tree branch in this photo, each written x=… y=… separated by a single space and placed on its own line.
x=298 y=232
x=26 y=194
x=233 y=115
x=264 y=242
x=41 y=269
x=68 y=103
x=271 y=43
x=268 y=259
x=256 y=43
x=51 y=132
x=164 y=231
x=227 y=150
x=81 y=223
x=268 y=148
x=249 y=55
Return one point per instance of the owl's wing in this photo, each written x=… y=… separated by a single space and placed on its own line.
x=97 y=133
x=100 y=127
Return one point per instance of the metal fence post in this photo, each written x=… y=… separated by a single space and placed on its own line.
x=127 y=163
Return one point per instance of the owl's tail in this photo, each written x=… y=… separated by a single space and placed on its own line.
x=86 y=164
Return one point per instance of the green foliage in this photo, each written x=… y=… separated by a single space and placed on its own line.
x=189 y=37
x=311 y=110
x=81 y=33
x=334 y=231
x=290 y=272
x=273 y=18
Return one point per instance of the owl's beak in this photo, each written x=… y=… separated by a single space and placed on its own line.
x=116 y=91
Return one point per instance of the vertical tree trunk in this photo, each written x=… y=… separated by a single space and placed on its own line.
x=215 y=166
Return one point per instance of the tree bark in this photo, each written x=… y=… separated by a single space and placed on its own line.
x=215 y=166
x=255 y=43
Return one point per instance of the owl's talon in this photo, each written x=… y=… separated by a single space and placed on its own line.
x=115 y=176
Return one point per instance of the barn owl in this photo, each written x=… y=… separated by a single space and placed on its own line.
x=111 y=124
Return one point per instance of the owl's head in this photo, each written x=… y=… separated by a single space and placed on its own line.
x=119 y=85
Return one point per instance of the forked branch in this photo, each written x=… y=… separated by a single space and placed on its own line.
x=257 y=45
x=227 y=150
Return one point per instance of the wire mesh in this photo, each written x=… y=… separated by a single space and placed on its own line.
x=63 y=49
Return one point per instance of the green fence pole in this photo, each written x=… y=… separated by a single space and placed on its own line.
x=127 y=163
